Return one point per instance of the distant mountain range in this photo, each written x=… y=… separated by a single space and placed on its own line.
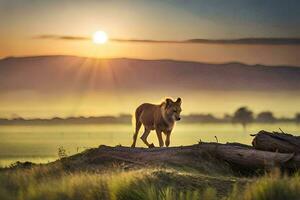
x=70 y=73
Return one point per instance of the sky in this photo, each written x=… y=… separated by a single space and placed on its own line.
x=23 y=22
x=214 y=31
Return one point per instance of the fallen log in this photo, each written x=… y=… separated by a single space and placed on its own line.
x=276 y=142
x=250 y=158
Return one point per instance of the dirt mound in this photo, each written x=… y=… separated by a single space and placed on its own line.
x=186 y=157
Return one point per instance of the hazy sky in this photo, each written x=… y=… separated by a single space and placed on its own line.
x=22 y=21
x=65 y=27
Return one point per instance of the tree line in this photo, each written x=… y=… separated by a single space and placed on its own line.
x=242 y=115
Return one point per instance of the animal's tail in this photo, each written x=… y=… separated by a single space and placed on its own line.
x=138 y=124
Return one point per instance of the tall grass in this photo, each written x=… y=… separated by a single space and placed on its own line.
x=41 y=183
x=274 y=186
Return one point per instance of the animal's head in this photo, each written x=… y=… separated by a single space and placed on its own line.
x=173 y=109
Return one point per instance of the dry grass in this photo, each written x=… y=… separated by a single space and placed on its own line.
x=274 y=186
x=39 y=183
x=53 y=183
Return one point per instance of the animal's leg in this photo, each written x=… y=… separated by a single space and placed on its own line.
x=144 y=137
x=159 y=136
x=138 y=125
x=167 y=142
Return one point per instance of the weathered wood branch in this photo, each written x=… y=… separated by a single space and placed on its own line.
x=276 y=142
x=250 y=158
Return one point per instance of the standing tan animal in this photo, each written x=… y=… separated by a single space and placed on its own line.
x=160 y=118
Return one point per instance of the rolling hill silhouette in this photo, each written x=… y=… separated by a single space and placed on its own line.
x=70 y=73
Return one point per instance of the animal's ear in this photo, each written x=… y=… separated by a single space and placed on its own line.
x=168 y=102
x=178 y=100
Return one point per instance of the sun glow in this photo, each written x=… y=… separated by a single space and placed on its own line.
x=100 y=37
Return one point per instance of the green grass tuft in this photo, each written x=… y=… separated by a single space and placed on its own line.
x=274 y=186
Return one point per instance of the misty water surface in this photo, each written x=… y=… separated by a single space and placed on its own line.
x=41 y=143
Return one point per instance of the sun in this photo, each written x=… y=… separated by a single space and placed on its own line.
x=100 y=37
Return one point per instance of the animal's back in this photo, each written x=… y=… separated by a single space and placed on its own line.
x=146 y=114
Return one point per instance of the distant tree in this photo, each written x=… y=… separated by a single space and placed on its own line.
x=243 y=116
x=265 y=116
x=227 y=117
x=297 y=117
